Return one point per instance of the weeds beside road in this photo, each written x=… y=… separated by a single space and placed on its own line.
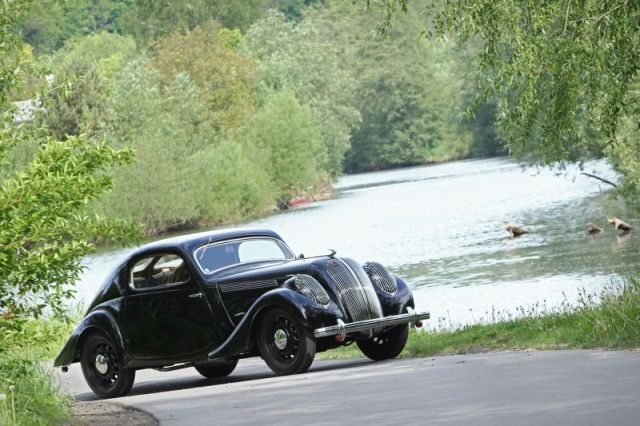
x=32 y=395
x=608 y=320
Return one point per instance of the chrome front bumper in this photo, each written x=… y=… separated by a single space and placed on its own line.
x=345 y=328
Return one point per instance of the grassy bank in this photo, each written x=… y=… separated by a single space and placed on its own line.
x=610 y=319
x=31 y=393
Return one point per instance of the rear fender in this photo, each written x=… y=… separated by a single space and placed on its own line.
x=100 y=320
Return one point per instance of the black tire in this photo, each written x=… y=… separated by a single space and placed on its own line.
x=293 y=356
x=214 y=369
x=386 y=346
x=115 y=380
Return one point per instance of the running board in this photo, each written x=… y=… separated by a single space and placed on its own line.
x=174 y=367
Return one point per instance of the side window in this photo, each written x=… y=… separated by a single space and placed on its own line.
x=161 y=270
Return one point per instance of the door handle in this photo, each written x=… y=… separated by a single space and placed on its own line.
x=195 y=295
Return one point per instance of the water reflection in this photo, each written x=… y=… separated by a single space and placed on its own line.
x=442 y=228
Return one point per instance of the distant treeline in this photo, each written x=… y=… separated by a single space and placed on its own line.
x=233 y=105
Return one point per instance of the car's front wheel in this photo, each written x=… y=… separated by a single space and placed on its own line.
x=285 y=344
x=214 y=369
x=102 y=367
x=386 y=346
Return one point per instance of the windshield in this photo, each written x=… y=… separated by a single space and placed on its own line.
x=213 y=257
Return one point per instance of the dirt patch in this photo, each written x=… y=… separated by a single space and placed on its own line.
x=100 y=413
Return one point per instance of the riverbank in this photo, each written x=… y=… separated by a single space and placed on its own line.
x=609 y=320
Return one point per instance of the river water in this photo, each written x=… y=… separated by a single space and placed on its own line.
x=441 y=228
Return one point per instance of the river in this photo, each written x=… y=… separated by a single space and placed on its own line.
x=441 y=228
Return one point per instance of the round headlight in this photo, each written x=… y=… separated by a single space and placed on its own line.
x=311 y=288
x=381 y=277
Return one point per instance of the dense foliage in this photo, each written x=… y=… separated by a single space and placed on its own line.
x=44 y=191
x=299 y=58
x=565 y=73
x=410 y=107
x=233 y=108
x=45 y=229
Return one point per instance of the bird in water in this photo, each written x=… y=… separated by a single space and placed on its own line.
x=593 y=229
x=619 y=225
x=515 y=231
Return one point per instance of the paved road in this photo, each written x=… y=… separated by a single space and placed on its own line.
x=521 y=388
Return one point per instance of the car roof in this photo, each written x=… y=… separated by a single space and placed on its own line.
x=190 y=242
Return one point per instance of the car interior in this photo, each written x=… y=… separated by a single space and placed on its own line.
x=159 y=271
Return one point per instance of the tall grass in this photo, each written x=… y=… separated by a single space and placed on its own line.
x=610 y=319
x=32 y=395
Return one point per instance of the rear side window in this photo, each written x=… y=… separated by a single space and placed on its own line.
x=161 y=270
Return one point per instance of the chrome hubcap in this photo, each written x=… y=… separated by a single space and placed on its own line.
x=102 y=364
x=280 y=339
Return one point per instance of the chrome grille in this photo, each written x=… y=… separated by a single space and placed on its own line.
x=247 y=285
x=311 y=288
x=351 y=291
x=381 y=277
x=375 y=309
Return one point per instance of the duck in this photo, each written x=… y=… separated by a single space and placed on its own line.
x=619 y=225
x=593 y=229
x=515 y=231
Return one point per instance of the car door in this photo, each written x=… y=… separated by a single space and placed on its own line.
x=167 y=316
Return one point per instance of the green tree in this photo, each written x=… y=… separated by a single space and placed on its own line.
x=561 y=70
x=186 y=174
x=44 y=228
x=296 y=57
x=48 y=24
x=107 y=52
x=485 y=139
x=226 y=80
x=150 y=20
x=85 y=71
x=232 y=182
x=409 y=105
x=166 y=129
x=289 y=141
x=293 y=9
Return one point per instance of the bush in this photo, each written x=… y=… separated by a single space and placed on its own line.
x=287 y=135
x=232 y=182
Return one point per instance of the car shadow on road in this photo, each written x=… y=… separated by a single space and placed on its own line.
x=159 y=384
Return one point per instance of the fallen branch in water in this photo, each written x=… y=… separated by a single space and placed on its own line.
x=600 y=179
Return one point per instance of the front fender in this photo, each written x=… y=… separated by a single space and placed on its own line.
x=308 y=312
x=397 y=303
x=100 y=319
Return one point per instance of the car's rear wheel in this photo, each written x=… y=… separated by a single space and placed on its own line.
x=102 y=367
x=214 y=369
x=386 y=346
x=285 y=344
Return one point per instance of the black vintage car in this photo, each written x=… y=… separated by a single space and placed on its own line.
x=206 y=300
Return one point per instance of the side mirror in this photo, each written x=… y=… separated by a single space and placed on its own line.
x=301 y=256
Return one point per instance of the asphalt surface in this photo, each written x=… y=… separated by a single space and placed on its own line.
x=519 y=388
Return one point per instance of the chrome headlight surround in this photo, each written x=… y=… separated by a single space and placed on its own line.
x=381 y=277
x=311 y=288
